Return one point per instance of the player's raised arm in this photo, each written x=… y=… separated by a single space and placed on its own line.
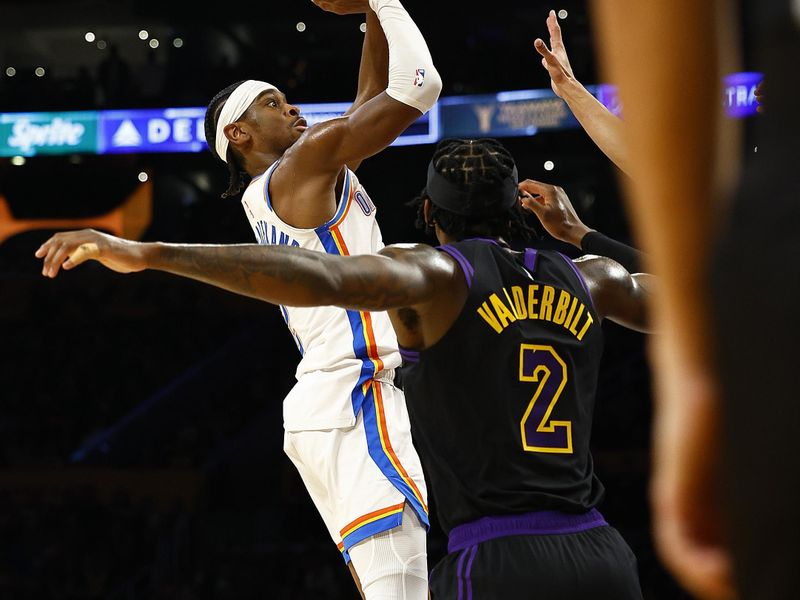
x=555 y=212
x=277 y=274
x=373 y=72
x=413 y=88
x=605 y=129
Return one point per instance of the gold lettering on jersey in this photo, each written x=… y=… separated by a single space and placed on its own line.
x=585 y=327
x=572 y=328
x=571 y=312
x=533 y=300
x=561 y=308
x=546 y=305
x=537 y=303
x=519 y=302
x=503 y=314
x=488 y=316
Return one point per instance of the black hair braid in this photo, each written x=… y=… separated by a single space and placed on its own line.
x=466 y=162
x=237 y=176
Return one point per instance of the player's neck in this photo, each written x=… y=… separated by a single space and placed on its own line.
x=258 y=162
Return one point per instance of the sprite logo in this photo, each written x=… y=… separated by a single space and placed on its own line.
x=47 y=133
x=59 y=132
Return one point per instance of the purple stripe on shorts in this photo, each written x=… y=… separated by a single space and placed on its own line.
x=467 y=573
x=530 y=259
x=545 y=522
x=580 y=278
x=458 y=575
x=462 y=261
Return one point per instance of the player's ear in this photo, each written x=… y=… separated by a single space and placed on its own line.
x=426 y=211
x=236 y=134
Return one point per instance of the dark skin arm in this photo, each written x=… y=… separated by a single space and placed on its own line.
x=617 y=294
x=423 y=289
x=276 y=274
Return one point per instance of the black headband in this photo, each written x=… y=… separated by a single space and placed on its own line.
x=473 y=200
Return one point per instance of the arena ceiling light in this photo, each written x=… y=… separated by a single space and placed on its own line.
x=89 y=36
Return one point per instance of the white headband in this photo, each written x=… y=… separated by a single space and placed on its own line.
x=234 y=107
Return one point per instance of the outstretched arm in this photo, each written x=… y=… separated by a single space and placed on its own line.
x=618 y=295
x=276 y=274
x=605 y=129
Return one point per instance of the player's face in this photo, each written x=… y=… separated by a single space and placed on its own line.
x=278 y=124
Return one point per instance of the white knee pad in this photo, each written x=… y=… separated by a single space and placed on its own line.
x=393 y=565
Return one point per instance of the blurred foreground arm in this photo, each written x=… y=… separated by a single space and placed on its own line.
x=654 y=53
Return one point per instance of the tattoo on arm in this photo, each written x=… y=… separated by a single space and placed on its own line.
x=295 y=276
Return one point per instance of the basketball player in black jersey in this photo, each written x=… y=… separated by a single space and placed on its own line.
x=502 y=350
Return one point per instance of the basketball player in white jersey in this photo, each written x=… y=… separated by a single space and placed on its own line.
x=346 y=424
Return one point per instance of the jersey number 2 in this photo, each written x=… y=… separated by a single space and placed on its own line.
x=542 y=365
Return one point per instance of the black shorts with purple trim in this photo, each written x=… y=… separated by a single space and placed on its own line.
x=540 y=555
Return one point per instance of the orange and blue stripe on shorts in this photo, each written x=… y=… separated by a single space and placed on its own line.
x=367 y=396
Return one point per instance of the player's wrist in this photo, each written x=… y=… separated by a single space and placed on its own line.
x=573 y=92
x=576 y=233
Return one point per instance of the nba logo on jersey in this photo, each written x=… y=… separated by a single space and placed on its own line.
x=419 y=79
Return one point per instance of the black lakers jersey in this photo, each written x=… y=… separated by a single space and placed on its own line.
x=501 y=407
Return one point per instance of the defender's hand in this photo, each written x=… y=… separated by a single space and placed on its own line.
x=71 y=248
x=555 y=60
x=343 y=7
x=554 y=209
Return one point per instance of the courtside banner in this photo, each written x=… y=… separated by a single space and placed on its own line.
x=505 y=114
x=161 y=130
x=29 y=134
x=516 y=113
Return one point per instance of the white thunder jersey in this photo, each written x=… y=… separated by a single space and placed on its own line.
x=342 y=350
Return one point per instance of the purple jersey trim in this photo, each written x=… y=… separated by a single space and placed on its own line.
x=469 y=271
x=530 y=259
x=545 y=522
x=409 y=355
x=580 y=278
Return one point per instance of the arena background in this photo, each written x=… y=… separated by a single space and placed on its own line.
x=140 y=416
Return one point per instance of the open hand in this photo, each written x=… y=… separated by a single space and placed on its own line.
x=343 y=7
x=71 y=248
x=555 y=59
